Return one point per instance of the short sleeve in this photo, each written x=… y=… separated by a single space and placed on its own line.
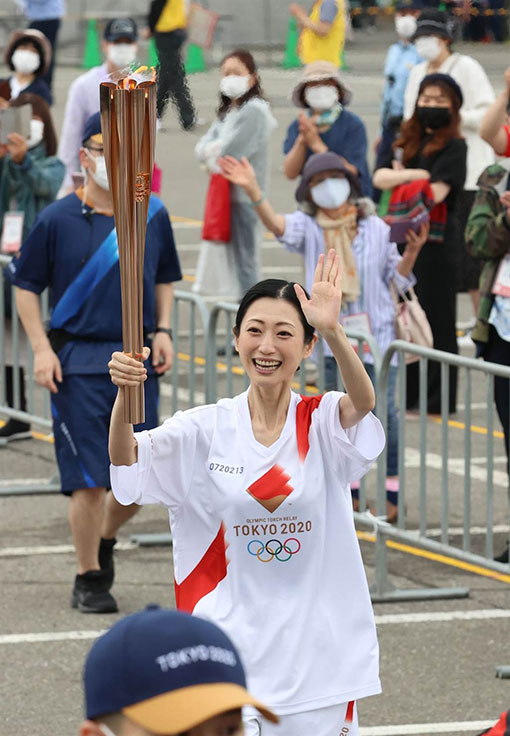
x=169 y=268
x=352 y=451
x=329 y=11
x=449 y=166
x=292 y=134
x=31 y=269
x=167 y=457
x=294 y=236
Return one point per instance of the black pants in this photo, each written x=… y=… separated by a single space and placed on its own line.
x=50 y=29
x=172 y=77
x=498 y=351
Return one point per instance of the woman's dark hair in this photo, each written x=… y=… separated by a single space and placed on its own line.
x=411 y=132
x=256 y=91
x=272 y=289
x=41 y=110
x=25 y=40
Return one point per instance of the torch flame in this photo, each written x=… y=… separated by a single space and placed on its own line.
x=140 y=76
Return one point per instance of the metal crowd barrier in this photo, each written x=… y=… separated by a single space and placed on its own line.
x=475 y=370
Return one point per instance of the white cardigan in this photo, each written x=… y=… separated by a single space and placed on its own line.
x=478 y=95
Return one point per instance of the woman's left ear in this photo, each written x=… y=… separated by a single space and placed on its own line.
x=309 y=347
x=235 y=339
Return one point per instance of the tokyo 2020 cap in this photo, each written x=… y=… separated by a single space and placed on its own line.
x=166 y=671
x=92 y=129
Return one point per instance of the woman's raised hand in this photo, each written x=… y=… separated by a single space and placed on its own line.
x=238 y=172
x=126 y=371
x=323 y=307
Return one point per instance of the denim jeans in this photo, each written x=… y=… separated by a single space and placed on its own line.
x=330 y=380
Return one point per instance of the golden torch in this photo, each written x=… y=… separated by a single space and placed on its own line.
x=128 y=121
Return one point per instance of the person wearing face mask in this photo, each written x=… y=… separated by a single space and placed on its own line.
x=28 y=56
x=433 y=41
x=242 y=128
x=167 y=23
x=400 y=59
x=324 y=124
x=434 y=165
x=333 y=215
x=165 y=672
x=120 y=49
x=30 y=177
x=72 y=250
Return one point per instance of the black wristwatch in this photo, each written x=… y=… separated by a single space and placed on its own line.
x=166 y=330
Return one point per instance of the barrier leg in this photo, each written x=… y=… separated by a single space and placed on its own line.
x=503 y=672
x=152 y=540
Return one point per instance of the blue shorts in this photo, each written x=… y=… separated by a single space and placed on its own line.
x=81 y=419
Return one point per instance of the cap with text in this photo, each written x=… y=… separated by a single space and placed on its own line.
x=166 y=671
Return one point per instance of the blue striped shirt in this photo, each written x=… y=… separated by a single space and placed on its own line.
x=43 y=9
x=376 y=259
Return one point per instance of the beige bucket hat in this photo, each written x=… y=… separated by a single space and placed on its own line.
x=40 y=42
x=320 y=71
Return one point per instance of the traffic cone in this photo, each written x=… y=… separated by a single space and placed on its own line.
x=92 y=54
x=343 y=63
x=194 y=60
x=291 y=59
x=152 y=54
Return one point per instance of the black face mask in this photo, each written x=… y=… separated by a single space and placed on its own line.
x=433 y=117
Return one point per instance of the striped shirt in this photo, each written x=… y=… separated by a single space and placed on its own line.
x=376 y=259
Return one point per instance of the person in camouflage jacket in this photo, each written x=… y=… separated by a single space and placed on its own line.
x=488 y=238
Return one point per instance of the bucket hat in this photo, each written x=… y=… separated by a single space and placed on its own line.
x=320 y=71
x=319 y=162
x=40 y=42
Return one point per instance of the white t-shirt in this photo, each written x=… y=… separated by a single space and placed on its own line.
x=264 y=541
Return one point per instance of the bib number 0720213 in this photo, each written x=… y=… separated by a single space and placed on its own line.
x=229 y=469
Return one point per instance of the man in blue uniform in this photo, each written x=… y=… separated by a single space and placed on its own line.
x=72 y=249
x=400 y=59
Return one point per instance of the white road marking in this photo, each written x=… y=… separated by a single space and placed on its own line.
x=265 y=269
x=195 y=247
x=473 y=531
x=53 y=549
x=441 y=616
x=183 y=394
x=24 y=482
x=455 y=467
x=398 y=618
x=424 y=729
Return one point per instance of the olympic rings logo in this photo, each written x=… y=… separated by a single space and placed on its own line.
x=274 y=549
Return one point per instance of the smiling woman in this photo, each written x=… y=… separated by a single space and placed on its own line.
x=290 y=460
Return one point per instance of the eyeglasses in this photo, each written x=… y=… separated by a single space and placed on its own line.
x=99 y=151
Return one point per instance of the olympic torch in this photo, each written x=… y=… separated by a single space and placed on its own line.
x=128 y=121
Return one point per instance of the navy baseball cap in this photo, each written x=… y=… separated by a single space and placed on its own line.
x=92 y=130
x=166 y=671
x=120 y=28
x=408 y=5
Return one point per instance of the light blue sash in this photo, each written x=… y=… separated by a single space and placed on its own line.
x=96 y=268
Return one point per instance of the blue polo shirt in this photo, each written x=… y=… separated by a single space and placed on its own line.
x=348 y=138
x=63 y=239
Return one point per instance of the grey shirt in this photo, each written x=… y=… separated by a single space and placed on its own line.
x=244 y=131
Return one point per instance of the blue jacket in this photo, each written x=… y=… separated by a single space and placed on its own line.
x=400 y=59
x=348 y=138
x=32 y=184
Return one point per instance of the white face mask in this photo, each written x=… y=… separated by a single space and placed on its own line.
x=428 y=47
x=25 y=61
x=36 y=133
x=122 y=54
x=405 y=25
x=331 y=193
x=234 y=86
x=320 y=98
x=99 y=175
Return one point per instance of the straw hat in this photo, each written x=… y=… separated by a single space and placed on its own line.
x=320 y=71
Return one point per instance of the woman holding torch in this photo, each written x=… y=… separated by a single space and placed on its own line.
x=257 y=489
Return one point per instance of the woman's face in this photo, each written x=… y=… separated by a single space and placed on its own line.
x=323 y=175
x=271 y=342
x=434 y=96
x=321 y=95
x=234 y=67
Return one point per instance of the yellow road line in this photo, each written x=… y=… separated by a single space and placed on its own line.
x=36 y=435
x=473 y=427
x=435 y=557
